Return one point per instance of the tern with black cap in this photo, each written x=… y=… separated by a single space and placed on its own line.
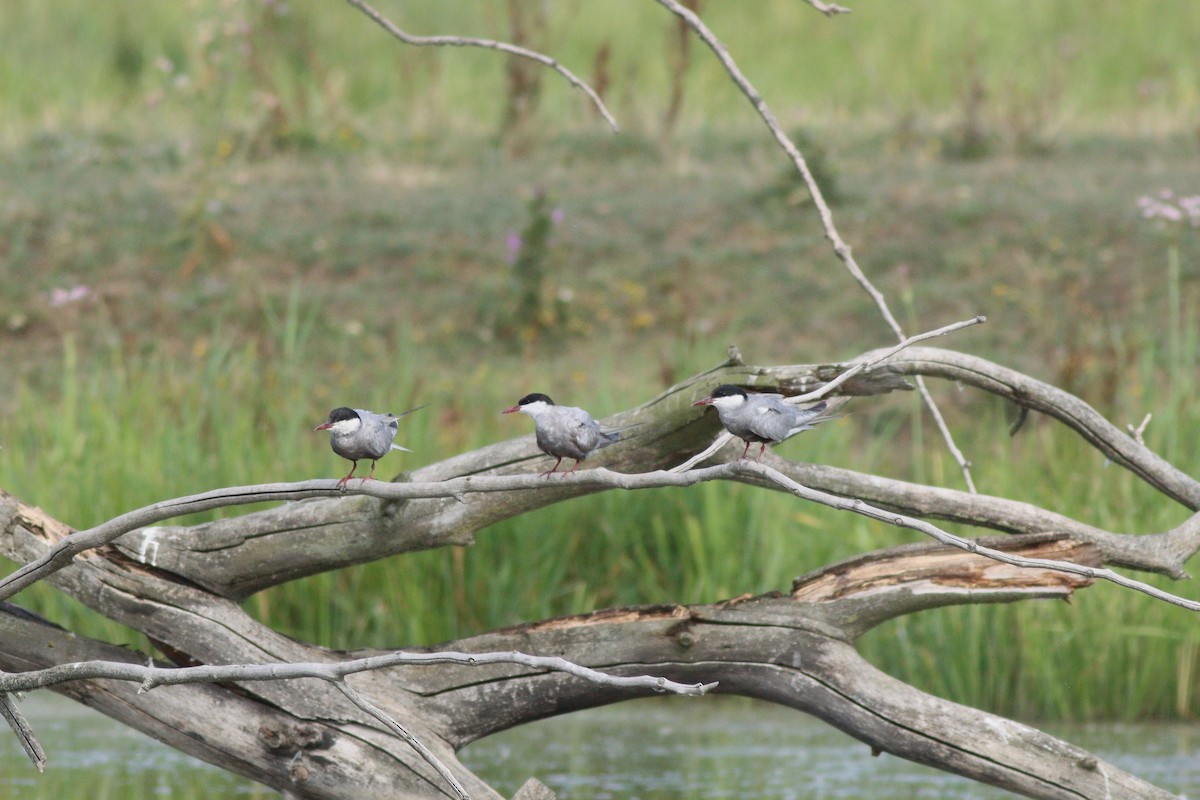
x=762 y=418
x=355 y=434
x=563 y=431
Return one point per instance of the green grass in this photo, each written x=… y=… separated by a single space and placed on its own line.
x=322 y=72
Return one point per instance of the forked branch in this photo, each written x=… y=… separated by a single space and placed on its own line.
x=826 y=389
x=831 y=233
x=598 y=478
x=150 y=676
x=488 y=44
x=795 y=648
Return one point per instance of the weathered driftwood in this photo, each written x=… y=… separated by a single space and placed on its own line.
x=794 y=649
x=181 y=586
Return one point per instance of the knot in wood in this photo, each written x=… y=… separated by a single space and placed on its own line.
x=293 y=738
x=297 y=772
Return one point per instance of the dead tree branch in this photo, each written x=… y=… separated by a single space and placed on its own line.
x=488 y=44
x=602 y=478
x=840 y=248
x=149 y=677
x=828 y=9
x=1115 y=444
x=433 y=510
x=816 y=394
x=1164 y=552
x=23 y=730
x=793 y=649
x=181 y=585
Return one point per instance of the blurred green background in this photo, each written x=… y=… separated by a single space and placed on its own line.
x=221 y=218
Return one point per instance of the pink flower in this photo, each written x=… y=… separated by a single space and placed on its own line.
x=512 y=244
x=62 y=297
x=1170 y=208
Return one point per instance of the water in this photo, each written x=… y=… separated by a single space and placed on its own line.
x=681 y=748
x=661 y=749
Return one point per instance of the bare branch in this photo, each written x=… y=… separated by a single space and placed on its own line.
x=598 y=478
x=669 y=426
x=1138 y=432
x=70 y=545
x=827 y=388
x=828 y=9
x=786 y=650
x=831 y=233
x=150 y=676
x=24 y=731
x=489 y=44
x=970 y=545
x=398 y=729
x=1163 y=552
x=1115 y=444
x=779 y=648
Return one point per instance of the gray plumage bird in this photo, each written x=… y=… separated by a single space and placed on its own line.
x=355 y=434
x=762 y=418
x=563 y=431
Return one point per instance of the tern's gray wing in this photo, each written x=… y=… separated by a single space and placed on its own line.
x=377 y=433
x=770 y=419
x=388 y=421
x=569 y=432
x=767 y=421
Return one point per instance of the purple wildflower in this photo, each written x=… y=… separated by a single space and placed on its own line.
x=61 y=297
x=512 y=244
x=1166 y=206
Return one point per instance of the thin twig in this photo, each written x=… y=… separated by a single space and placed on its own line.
x=489 y=44
x=822 y=391
x=24 y=731
x=151 y=676
x=831 y=233
x=398 y=729
x=970 y=545
x=599 y=477
x=1138 y=432
x=828 y=9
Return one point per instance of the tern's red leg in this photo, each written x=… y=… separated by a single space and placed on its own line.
x=572 y=469
x=745 y=449
x=370 y=477
x=761 y=449
x=342 y=483
x=546 y=474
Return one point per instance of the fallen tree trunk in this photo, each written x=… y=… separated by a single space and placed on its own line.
x=181 y=586
x=793 y=649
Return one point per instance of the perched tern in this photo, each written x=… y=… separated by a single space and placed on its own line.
x=355 y=433
x=563 y=431
x=762 y=418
